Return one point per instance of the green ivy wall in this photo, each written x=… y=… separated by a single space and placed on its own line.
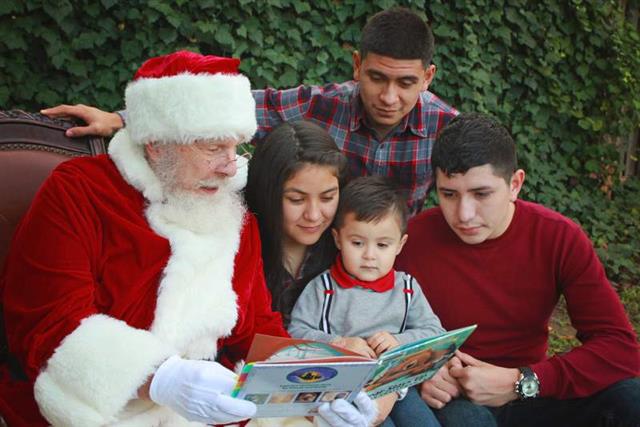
x=563 y=75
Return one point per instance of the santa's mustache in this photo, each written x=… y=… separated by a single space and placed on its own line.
x=213 y=183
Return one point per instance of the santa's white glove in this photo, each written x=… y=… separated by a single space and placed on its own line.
x=341 y=413
x=199 y=391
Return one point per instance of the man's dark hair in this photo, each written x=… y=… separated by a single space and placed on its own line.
x=371 y=198
x=398 y=33
x=471 y=140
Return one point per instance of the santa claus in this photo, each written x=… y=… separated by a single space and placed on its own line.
x=135 y=281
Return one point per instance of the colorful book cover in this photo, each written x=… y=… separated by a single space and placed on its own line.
x=415 y=362
x=288 y=377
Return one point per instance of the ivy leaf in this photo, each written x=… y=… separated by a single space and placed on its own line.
x=59 y=10
x=289 y=78
x=305 y=26
x=323 y=56
x=504 y=34
x=57 y=60
x=598 y=124
x=84 y=41
x=93 y=10
x=167 y=35
x=527 y=40
x=77 y=68
x=130 y=50
x=223 y=36
x=481 y=76
x=108 y=4
x=360 y=9
x=167 y=11
x=240 y=48
x=444 y=31
x=16 y=42
x=46 y=97
x=294 y=35
x=592 y=166
x=207 y=27
x=585 y=123
x=105 y=80
x=301 y=6
x=133 y=14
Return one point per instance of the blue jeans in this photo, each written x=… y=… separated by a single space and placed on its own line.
x=411 y=411
x=618 y=405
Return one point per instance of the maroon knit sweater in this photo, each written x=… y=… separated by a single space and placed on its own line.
x=509 y=286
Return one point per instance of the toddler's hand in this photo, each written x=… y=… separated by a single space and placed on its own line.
x=356 y=344
x=382 y=341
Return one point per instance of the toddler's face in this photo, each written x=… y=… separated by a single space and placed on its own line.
x=369 y=249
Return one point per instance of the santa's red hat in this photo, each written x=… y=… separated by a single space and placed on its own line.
x=185 y=96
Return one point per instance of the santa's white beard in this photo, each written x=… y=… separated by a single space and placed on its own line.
x=202 y=213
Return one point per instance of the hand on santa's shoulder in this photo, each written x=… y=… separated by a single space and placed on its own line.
x=101 y=123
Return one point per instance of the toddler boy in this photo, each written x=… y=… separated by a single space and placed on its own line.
x=361 y=302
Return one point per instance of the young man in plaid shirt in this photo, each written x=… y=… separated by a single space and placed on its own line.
x=385 y=120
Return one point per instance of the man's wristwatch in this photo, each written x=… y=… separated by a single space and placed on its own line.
x=528 y=385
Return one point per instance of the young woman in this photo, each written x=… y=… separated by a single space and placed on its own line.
x=293 y=188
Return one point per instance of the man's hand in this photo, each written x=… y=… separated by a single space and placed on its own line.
x=341 y=413
x=382 y=341
x=356 y=344
x=483 y=383
x=199 y=391
x=99 y=122
x=442 y=387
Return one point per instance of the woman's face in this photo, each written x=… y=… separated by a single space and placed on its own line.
x=309 y=203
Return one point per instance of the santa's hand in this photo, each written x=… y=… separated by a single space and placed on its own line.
x=341 y=413
x=199 y=391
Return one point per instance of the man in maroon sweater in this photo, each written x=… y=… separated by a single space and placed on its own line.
x=485 y=257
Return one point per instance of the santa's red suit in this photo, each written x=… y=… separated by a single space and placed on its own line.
x=100 y=288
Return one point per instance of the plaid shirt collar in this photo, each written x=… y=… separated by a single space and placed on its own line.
x=413 y=120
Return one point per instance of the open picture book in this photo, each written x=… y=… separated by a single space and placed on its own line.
x=287 y=377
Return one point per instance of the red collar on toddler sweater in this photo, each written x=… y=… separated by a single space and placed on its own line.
x=346 y=280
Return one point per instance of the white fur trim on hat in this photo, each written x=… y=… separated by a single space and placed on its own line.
x=188 y=107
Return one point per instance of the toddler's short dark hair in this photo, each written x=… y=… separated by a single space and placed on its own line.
x=371 y=198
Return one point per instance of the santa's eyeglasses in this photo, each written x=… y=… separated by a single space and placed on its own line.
x=218 y=155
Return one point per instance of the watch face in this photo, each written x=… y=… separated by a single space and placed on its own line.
x=529 y=387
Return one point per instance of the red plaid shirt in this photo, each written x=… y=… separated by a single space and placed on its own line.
x=404 y=154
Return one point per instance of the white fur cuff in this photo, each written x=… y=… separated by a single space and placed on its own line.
x=96 y=370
